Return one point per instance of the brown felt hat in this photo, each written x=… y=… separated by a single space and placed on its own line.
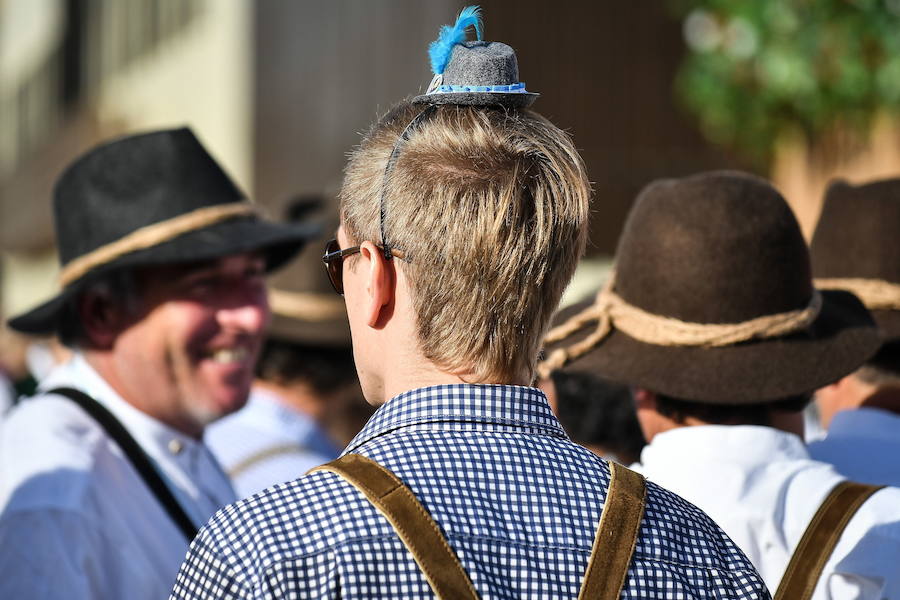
x=722 y=250
x=858 y=238
x=305 y=309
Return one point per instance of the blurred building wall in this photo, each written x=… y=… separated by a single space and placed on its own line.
x=96 y=69
x=326 y=70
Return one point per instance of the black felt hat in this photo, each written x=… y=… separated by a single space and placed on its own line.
x=151 y=199
x=856 y=246
x=475 y=73
x=711 y=256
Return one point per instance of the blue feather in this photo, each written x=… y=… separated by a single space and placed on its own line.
x=440 y=49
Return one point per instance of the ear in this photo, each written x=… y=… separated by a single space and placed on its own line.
x=644 y=399
x=380 y=285
x=832 y=398
x=102 y=319
x=651 y=422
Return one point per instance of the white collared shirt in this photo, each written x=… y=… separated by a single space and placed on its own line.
x=761 y=487
x=863 y=445
x=77 y=520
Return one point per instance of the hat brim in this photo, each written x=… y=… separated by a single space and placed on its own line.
x=889 y=323
x=333 y=333
x=279 y=242
x=517 y=100
x=841 y=339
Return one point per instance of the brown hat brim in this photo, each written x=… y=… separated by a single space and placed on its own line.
x=889 y=323
x=840 y=340
x=333 y=333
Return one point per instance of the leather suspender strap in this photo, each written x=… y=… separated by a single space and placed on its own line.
x=418 y=531
x=821 y=536
x=616 y=536
x=610 y=557
x=135 y=454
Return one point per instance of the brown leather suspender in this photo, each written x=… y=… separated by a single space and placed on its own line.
x=610 y=557
x=616 y=536
x=821 y=536
x=416 y=528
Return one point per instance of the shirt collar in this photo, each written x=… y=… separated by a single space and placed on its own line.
x=749 y=445
x=870 y=423
x=267 y=413
x=161 y=442
x=490 y=407
x=266 y=409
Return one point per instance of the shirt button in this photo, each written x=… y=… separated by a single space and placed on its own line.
x=176 y=446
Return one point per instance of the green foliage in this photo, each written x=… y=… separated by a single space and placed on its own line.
x=755 y=68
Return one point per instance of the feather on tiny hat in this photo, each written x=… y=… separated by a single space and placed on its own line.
x=475 y=73
x=151 y=199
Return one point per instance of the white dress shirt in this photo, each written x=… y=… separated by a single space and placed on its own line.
x=863 y=445
x=77 y=520
x=267 y=442
x=761 y=487
x=7 y=394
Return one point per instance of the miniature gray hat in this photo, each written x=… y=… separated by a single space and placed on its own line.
x=475 y=73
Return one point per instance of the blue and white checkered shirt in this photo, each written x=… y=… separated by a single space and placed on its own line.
x=517 y=500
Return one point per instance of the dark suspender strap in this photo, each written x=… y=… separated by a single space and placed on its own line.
x=616 y=537
x=135 y=454
x=821 y=536
x=418 y=531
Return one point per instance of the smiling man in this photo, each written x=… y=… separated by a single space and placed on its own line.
x=103 y=477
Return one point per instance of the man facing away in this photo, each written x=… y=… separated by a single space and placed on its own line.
x=104 y=477
x=712 y=316
x=856 y=246
x=450 y=273
x=306 y=381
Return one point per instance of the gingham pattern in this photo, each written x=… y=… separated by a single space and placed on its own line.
x=518 y=502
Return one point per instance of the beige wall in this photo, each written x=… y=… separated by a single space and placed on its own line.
x=802 y=172
x=200 y=78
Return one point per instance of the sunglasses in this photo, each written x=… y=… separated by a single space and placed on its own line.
x=334 y=262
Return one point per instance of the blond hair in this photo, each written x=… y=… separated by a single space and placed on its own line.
x=490 y=208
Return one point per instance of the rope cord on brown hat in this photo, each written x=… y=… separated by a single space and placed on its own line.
x=152 y=235
x=875 y=294
x=610 y=310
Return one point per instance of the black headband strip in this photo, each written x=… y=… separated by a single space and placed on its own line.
x=395 y=153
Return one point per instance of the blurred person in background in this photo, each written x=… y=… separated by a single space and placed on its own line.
x=713 y=318
x=856 y=247
x=103 y=474
x=597 y=413
x=306 y=397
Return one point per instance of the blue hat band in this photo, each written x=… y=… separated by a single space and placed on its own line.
x=515 y=88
